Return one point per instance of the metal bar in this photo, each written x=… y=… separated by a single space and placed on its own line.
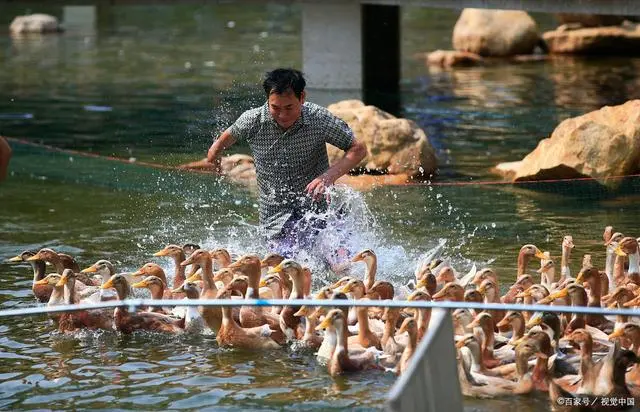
x=135 y=303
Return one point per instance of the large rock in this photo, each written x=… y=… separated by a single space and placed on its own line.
x=612 y=40
x=495 y=32
x=600 y=144
x=35 y=23
x=395 y=146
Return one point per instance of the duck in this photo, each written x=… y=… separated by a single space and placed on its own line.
x=57 y=293
x=410 y=326
x=590 y=277
x=221 y=257
x=422 y=315
x=534 y=294
x=628 y=246
x=231 y=334
x=385 y=289
x=274 y=283
x=128 y=322
x=516 y=321
x=157 y=288
x=341 y=360
x=250 y=316
x=490 y=291
x=42 y=291
x=520 y=285
x=177 y=254
x=547 y=272
x=104 y=269
x=388 y=342
x=62 y=261
x=428 y=282
x=83 y=319
x=526 y=253
x=211 y=314
x=462 y=318
x=490 y=357
x=310 y=339
x=291 y=325
x=193 y=321
x=272 y=260
x=567 y=247
x=365 y=337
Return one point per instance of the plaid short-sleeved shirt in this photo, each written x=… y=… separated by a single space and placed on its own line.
x=287 y=161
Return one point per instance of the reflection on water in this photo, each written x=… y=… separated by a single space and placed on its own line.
x=154 y=84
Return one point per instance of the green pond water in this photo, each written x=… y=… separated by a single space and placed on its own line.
x=154 y=84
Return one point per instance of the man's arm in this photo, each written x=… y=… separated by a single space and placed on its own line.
x=352 y=157
x=225 y=140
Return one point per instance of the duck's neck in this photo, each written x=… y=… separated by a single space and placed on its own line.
x=523 y=262
x=69 y=292
x=424 y=317
x=363 y=322
x=412 y=342
x=476 y=359
x=57 y=263
x=227 y=317
x=179 y=277
x=522 y=364
x=39 y=268
x=586 y=360
x=489 y=339
x=565 y=272
x=57 y=296
x=596 y=292
x=634 y=262
x=297 y=291
x=618 y=268
x=517 y=326
x=253 y=284
x=389 y=330
x=208 y=284
x=342 y=345
x=309 y=329
x=540 y=370
x=370 y=272
x=223 y=260
x=609 y=265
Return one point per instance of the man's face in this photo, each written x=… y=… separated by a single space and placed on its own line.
x=285 y=108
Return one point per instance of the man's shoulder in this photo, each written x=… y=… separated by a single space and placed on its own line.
x=316 y=110
x=255 y=114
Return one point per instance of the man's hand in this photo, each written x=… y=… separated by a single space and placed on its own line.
x=318 y=187
x=214 y=158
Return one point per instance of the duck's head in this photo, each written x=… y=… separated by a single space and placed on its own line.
x=67 y=278
x=567 y=242
x=627 y=246
x=450 y=291
x=588 y=274
x=190 y=290
x=46 y=254
x=174 y=251
x=364 y=256
x=150 y=269
x=353 y=285
x=220 y=254
x=483 y=274
x=419 y=295
x=150 y=282
x=271 y=259
x=223 y=275
x=409 y=325
x=51 y=279
x=488 y=288
x=511 y=317
x=482 y=320
x=248 y=264
x=531 y=251
x=378 y=287
x=614 y=239
x=119 y=283
x=546 y=266
x=427 y=281
x=289 y=267
x=445 y=275
x=562 y=293
x=472 y=295
x=334 y=318
x=189 y=248
x=629 y=330
x=103 y=268
x=271 y=281
x=579 y=336
x=200 y=257
x=22 y=257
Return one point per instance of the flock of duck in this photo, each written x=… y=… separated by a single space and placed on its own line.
x=499 y=352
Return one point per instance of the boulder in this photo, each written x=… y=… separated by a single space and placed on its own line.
x=611 y=40
x=452 y=58
x=495 y=32
x=35 y=23
x=395 y=146
x=601 y=144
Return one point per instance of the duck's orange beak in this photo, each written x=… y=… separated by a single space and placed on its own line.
x=108 y=284
x=324 y=324
x=460 y=343
x=15 y=259
x=303 y=311
x=540 y=255
x=90 y=269
x=616 y=333
x=276 y=269
x=163 y=252
x=62 y=281
x=34 y=257
x=141 y=284
x=195 y=277
x=618 y=250
x=263 y=284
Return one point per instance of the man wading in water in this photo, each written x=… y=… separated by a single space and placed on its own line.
x=287 y=138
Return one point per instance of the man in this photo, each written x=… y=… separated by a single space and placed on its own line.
x=287 y=138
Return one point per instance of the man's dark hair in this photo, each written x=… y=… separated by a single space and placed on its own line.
x=280 y=81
